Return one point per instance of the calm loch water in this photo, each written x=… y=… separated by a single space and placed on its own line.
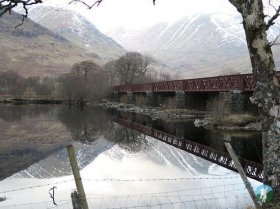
x=120 y=167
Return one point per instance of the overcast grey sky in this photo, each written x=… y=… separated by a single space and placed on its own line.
x=134 y=14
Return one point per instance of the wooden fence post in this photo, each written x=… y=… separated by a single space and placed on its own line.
x=240 y=170
x=76 y=202
x=77 y=176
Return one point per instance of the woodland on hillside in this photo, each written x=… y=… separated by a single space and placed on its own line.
x=85 y=80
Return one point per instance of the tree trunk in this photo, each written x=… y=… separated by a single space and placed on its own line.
x=266 y=95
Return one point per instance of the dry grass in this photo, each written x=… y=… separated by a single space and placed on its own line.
x=171 y=103
x=140 y=100
x=123 y=99
x=238 y=119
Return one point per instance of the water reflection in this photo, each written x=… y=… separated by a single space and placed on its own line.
x=117 y=163
x=128 y=139
x=42 y=130
x=85 y=125
x=28 y=135
x=32 y=148
x=247 y=144
x=39 y=131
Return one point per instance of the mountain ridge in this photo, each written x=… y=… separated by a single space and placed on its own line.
x=78 y=30
x=202 y=44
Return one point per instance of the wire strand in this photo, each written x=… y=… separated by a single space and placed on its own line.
x=37 y=186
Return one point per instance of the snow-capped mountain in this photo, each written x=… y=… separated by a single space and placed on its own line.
x=58 y=164
x=77 y=30
x=202 y=44
x=157 y=152
x=163 y=154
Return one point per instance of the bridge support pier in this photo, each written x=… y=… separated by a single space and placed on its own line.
x=234 y=102
x=180 y=131
x=115 y=96
x=238 y=102
x=180 y=135
x=130 y=97
x=180 y=99
x=149 y=122
x=150 y=99
x=132 y=117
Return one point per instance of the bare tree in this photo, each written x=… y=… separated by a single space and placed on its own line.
x=45 y=87
x=9 y=81
x=266 y=95
x=33 y=82
x=165 y=76
x=130 y=66
x=18 y=88
x=111 y=73
x=85 y=67
x=86 y=80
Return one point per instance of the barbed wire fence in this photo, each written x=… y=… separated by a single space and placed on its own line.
x=223 y=195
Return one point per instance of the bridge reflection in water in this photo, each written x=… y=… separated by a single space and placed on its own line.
x=252 y=169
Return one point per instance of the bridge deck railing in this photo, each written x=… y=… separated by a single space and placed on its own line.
x=243 y=82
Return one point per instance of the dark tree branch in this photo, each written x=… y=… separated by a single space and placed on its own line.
x=80 y=2
x=271 y=21
x=8 y=5
x=96 y=3
x=269 y=2
x=7 y=8
x=274 y=43
x=23 y=16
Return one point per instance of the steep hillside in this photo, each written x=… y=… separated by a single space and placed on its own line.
x=78 y=30
x=34 y=50
x=159 y=153
x=197 y=45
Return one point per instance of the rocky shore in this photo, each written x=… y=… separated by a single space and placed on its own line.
x=207 y=119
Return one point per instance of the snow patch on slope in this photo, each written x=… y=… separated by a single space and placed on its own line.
x=230 y=27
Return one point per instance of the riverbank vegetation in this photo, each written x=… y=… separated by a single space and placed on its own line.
x=84 y=81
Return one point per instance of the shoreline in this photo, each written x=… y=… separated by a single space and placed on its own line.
x=206 y=119
x=31 y=101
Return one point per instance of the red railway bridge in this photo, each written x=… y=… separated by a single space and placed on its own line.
x=244 y=82
x=233 y=88
x=252 y=169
